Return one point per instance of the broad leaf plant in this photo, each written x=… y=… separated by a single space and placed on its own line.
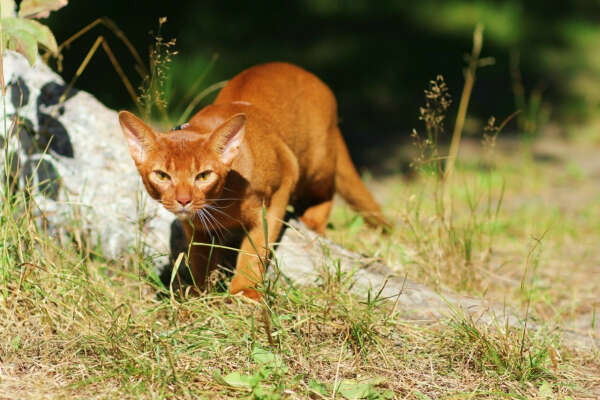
x=19 y=31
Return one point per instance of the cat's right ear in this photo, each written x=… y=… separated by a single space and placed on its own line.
x=227 y=138
x=139 y=135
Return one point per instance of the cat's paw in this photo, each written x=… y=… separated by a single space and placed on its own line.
x=252 y=294
x=247 y=292
x=314 y=225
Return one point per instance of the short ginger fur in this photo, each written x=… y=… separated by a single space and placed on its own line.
x=270 y=139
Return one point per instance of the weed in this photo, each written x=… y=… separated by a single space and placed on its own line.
x=510 y=353
x=457 y=240
x=153 y=88
x=433 y=115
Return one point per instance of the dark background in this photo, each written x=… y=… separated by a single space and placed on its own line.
x=377 y=56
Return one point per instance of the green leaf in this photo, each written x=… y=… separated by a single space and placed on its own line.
x=16 y=342
x=317 y=387
x=262 y=393
x=13 y=27
x=219 y=378
x=23 y=43
x=263 y=356
x=268 y=359
x=351 y=389
x=376 y=380
x=235 y=379
x=7 y=8
x=545 y=391
x=39 y=8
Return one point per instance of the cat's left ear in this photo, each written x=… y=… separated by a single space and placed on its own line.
x=139 y=135
x=227 y=138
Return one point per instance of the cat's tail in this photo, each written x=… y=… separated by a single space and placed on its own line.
x=349 y=185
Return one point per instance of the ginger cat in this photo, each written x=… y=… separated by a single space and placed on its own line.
x=271 y=138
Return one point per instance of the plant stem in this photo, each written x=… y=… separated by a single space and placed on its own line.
x=464 y=100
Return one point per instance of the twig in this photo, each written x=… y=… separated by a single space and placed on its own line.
x=474 y=63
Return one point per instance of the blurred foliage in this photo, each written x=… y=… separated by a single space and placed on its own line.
x=376 y=55
x=20 y=33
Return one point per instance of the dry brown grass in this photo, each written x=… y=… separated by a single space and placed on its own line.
x=78 y=327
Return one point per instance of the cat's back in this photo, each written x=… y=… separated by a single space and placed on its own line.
x=277 y=84
x=296 y=98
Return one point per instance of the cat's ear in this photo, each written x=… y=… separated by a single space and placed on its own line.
x=139 y=135
x=227 y=138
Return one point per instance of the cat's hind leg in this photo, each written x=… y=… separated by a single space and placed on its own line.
x=317 y=200
x=316 y=216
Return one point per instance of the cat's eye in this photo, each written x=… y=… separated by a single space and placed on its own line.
x=202 y=176
x=162 y=176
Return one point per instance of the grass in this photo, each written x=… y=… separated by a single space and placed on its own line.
x=549 y=200
x=78 y=328
x=74 y=325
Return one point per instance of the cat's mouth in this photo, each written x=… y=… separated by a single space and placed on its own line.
x=183 y=214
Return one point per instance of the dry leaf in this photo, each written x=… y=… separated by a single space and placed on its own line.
x=40 y=8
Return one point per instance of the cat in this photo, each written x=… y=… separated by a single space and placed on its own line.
x=269 y=140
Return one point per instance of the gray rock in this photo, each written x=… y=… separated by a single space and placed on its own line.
x=305 y=258
x=77 y=158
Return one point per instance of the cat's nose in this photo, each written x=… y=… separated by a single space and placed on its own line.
x=184 y=201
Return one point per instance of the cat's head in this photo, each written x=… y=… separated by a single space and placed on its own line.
x=185 y=170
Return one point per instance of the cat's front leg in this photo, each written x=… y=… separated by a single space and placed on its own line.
x=251 y=263
x=255 y=251
x=203 y=256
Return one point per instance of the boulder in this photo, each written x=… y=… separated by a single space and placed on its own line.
x=76 y=157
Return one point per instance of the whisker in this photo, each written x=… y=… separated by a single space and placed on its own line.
x=214 y=229
x=219 y=224
x=200 y=215
x=212 y=205
x=216 y=220
x=217 y=209
x=224 y=214
x=224 y=199
x=208 y=222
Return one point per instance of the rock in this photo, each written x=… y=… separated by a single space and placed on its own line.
x=304 y=257
x=77 y=158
